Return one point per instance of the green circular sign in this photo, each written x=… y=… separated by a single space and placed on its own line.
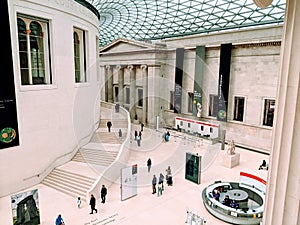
x=222 y=114
x=7 y=135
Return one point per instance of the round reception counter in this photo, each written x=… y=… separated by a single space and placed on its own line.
x=235 y=203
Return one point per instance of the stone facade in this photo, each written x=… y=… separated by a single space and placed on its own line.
x=254 y=73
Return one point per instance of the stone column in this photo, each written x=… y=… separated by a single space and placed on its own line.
x=107 y=68
x=121 y=84
x=283 y=186
x=153 y=98
x=109 y=84
x=145 y=92
x=132 y=109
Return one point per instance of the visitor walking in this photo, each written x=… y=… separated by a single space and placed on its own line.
x=109 y=125
x=103 y=193
x=78 y=202
x=154 y=182
x=120 y=134
x=149 y=163
x=93 y=204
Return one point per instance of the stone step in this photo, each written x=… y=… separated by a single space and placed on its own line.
x=70 y=183
x=96 y=157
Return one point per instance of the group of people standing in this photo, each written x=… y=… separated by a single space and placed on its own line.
x=160 y=183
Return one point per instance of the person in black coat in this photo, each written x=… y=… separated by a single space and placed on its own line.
x=109 y=125
x=103 y=193
x=149 y=163
x=93 y=204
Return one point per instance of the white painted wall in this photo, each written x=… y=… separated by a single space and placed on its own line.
x=54 y=120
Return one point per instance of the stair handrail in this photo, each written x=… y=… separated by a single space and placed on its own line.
x=112 y=173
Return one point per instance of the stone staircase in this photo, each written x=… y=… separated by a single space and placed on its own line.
x=70 y=183
x=96 y=157
x=101 y=151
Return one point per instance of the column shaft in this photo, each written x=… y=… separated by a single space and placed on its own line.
x=283 y=198
x=132 y=108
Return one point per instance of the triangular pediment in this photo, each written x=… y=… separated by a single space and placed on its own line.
x=124 y=45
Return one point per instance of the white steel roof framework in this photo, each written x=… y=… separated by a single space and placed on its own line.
x=158 y=19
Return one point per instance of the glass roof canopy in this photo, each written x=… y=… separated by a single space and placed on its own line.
x=158 y=19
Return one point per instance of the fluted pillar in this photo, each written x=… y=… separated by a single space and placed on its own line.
x=109 y=84
x=283 y=187
x=145 y=92
x=120 y=71
x=132 y=107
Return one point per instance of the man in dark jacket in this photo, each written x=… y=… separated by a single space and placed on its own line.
x=103 y=193
x=93 y=204
x=109 y=125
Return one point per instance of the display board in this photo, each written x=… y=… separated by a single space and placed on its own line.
x=128 y=182
x=224 y=79
x=198 y=79
x=193 y=168
x=178 y=80
x=25 y=208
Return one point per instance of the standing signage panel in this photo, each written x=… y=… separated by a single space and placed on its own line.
x=128 y=182
x=199 y=74
x=224 y=78
x=9 y=133
x=193 y=167
x=178 y=80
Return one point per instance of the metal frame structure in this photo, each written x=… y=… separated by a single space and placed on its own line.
x=159 y=19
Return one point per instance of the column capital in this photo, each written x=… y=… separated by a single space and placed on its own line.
x=107 y=67
x=118 y=67
x=144 y=67
x=130 y=67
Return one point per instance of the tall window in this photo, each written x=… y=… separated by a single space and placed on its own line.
x=171 y=100
x=116 y=94
x=127 y=95
x=238 y=111
x=269 y=109
x=34 y=54
x=140 y=97
x=79 y=55
x=190 y=102
x=213 y=105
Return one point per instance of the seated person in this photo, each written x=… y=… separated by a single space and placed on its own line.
x=216 y=195
x=263 y=165
x=234 y=204
x=227 y=200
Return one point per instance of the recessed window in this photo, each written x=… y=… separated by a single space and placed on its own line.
x=238 y=111
x=79 y=55
x=190 y=102
x=269 y=109
x=213 y=105
x=140 y=97
x=171 y=100
x=127 y=95
x=34 y=50
x=116 y=94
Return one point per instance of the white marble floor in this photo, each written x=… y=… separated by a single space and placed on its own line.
x=146 y=208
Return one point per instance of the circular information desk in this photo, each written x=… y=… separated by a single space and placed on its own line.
x=245 y=214
x=238 y=195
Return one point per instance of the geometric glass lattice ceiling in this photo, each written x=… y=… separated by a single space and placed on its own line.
x=159 y=19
